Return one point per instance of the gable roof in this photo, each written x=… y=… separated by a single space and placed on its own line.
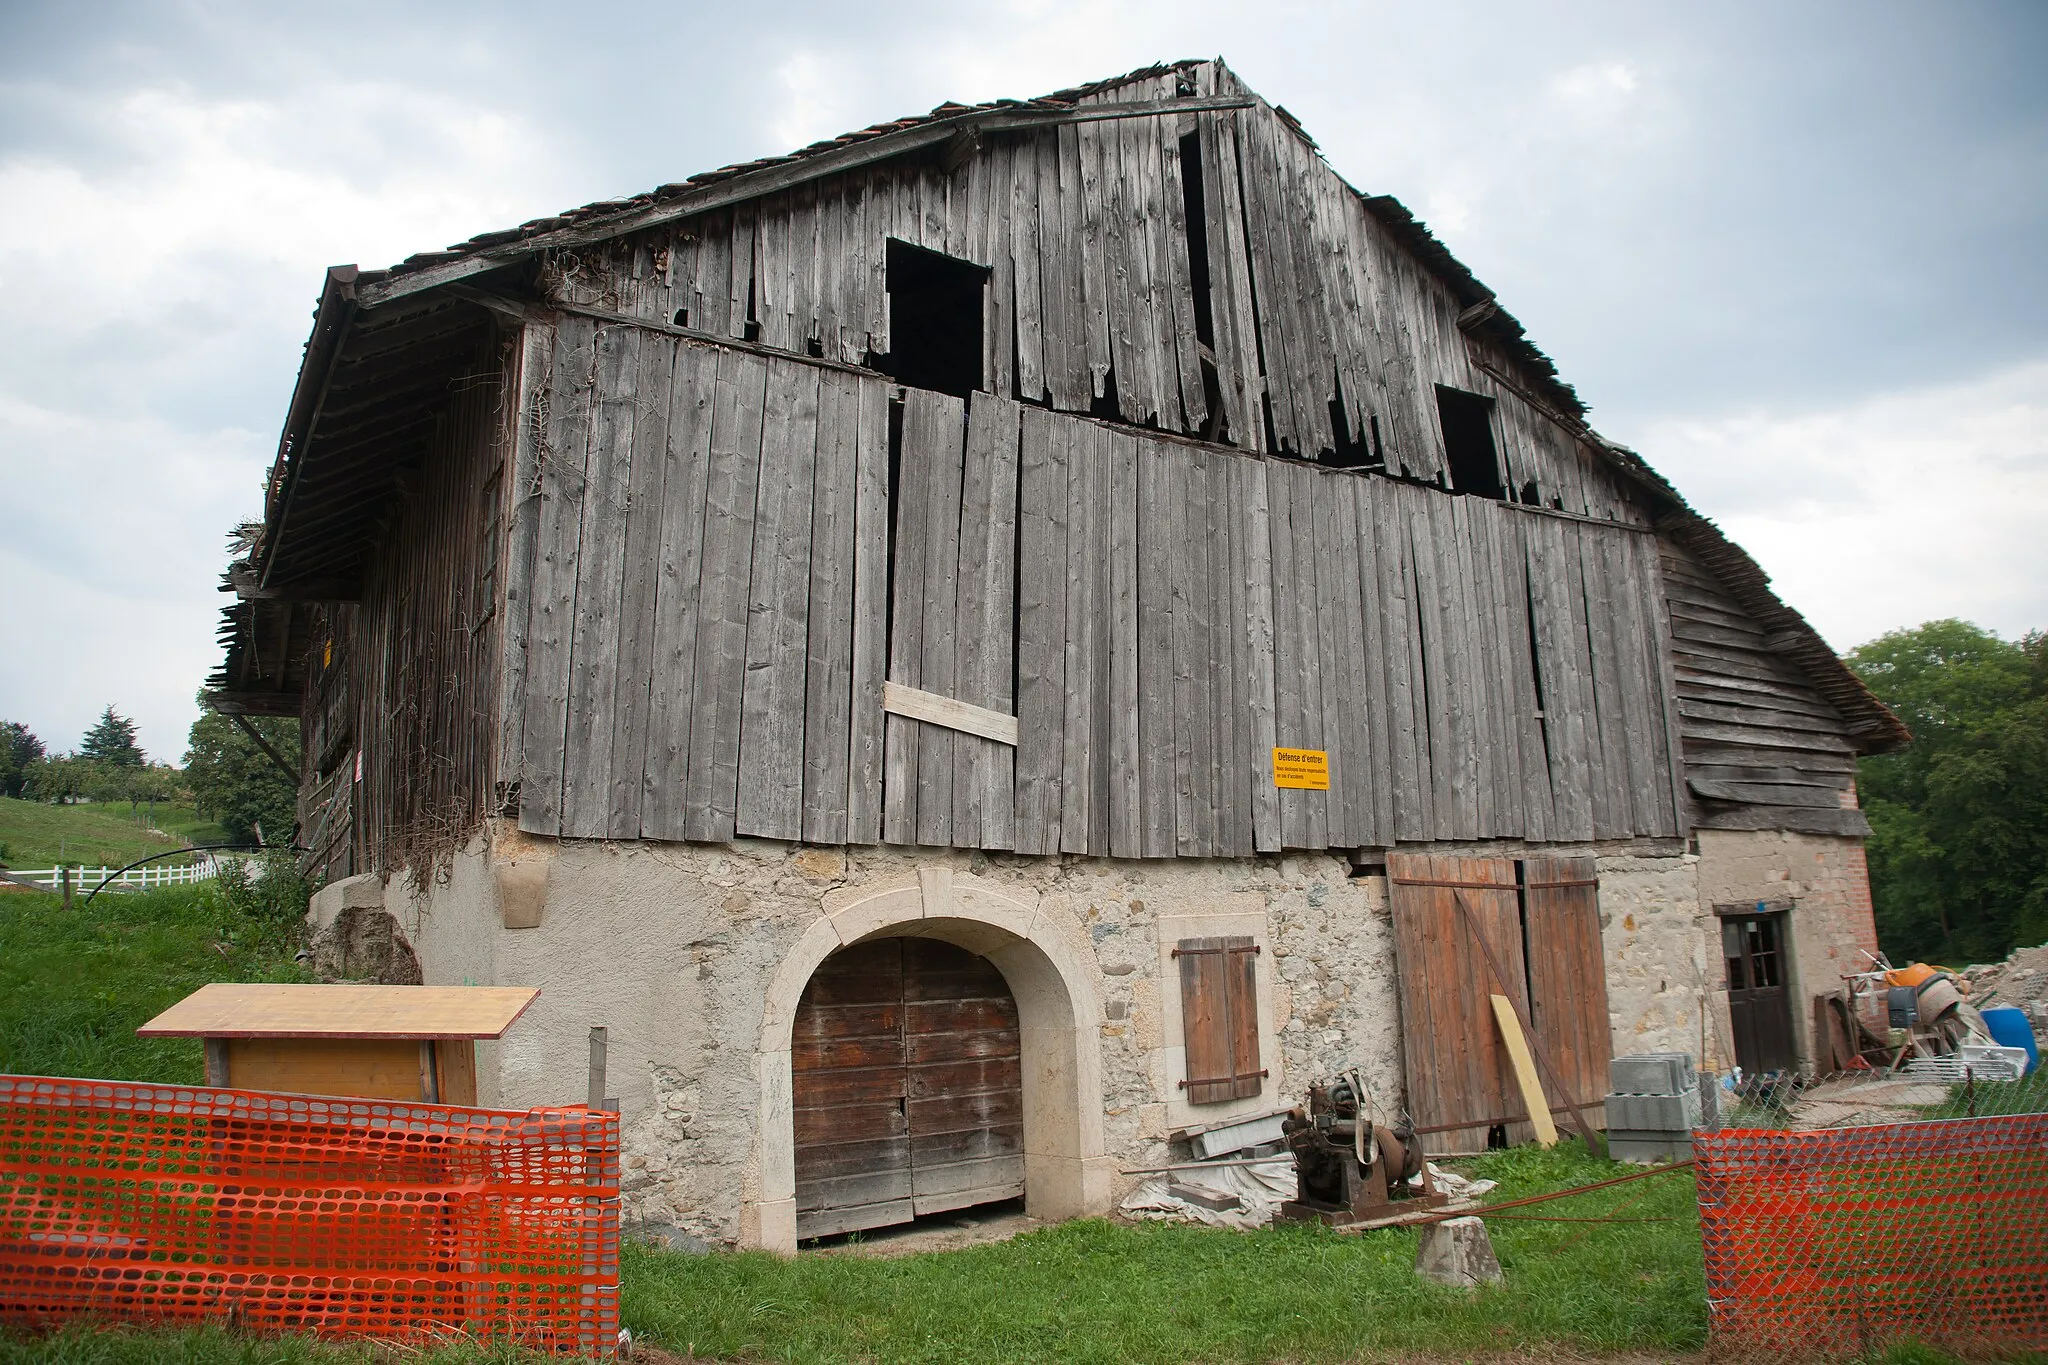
x=374 y=324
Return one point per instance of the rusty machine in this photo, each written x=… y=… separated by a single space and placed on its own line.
x=1349 y=1167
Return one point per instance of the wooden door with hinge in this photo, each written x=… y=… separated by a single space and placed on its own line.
x=1541 y=924
x=1759 y=1004
x=1460 y=1080
x=1568 y=976
x=908 y=1086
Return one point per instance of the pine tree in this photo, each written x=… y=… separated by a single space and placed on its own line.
x=112 y=741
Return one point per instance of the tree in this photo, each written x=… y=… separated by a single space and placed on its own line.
x=19 y=752
x=235 y=783
x=112 y=740
x=1959 y=849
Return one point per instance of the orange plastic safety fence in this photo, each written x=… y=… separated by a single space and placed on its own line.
x=1849 y=1239
x=301 y=1213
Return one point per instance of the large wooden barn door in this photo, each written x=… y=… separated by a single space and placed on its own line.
x=1543 y=928
x=908 y=1086
x=1460 y=1081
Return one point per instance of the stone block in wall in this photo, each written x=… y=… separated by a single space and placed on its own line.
x=364 y=891
x=522 y=889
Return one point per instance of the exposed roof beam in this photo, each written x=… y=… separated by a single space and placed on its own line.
x=338 y=304
x=779 y=176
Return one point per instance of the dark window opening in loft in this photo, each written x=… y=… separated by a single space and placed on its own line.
x=935 y=327
x=1467 y=420
x=1349 y=452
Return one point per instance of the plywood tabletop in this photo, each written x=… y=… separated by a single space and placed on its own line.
x=231 y=1010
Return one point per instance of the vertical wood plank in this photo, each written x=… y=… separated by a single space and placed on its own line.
x=1658 y=610
x=1376 y=723
x=984 y=782
x=562 y=458
x=1259 y=647
x=1177 y=307
x=771 y=752
x=642 y=583
x=527 y=391
x=1081 y=815
x=1347 y=705
x=1041 y=633
x=1228 y=697
x=1023 y=223
x=935 y=424
x=1155 y=547
x=1563 y=669
x=1407 y=720
x=1126 y=815
x=672 y=682
x=830 y=614
x=600 y=574
x=1524 y=702
x=870 y=419
x=1612 y=808
x=1234 y=321
x=732 y=479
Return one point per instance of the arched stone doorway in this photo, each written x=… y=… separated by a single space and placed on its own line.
x=1045 y=959
x=908 y=1092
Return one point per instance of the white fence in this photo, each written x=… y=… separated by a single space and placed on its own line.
x=149 y=876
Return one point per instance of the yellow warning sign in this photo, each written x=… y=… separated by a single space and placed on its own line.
x=1306 y=769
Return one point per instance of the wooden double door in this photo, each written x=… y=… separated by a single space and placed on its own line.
x=908 y=1093
x=1467 y=929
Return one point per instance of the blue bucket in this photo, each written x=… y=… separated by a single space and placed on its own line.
x=2010 y=1028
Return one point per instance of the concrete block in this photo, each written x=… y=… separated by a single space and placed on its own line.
x=1654 y=1113
x=364 y=891
x=1457 y=1252
x=1626 y=1145
x=1651 y=1073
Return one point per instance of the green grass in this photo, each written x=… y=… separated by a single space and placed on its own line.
x=37 y=834
x=115 y=1345
x=1094 y=1291
x=75 y=984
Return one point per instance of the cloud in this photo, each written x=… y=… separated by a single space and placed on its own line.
x=153 y=300
x=1887 y=512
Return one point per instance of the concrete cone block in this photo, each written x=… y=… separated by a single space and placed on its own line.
x=1457 y=1252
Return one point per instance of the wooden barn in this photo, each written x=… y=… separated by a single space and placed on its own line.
x=989 y=644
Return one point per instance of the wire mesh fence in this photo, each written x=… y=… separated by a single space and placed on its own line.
x=299 y=1213
x=1849 y=1212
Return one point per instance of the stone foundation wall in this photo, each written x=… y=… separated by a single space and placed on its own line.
x=674 y=949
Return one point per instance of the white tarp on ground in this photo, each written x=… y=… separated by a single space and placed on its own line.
x=1260 y=1189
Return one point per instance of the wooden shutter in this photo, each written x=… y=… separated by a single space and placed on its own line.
x=1219 y=1010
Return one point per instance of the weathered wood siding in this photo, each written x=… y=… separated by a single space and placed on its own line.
x=327 y=744
x=1763 y=749
x=425 y=649
x=710 y=547
x=1313 y=302
x=732 y=549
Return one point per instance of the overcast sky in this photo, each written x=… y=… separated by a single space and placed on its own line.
x=1794 y=254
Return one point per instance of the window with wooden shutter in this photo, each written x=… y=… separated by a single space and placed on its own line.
x=1219 y=1010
